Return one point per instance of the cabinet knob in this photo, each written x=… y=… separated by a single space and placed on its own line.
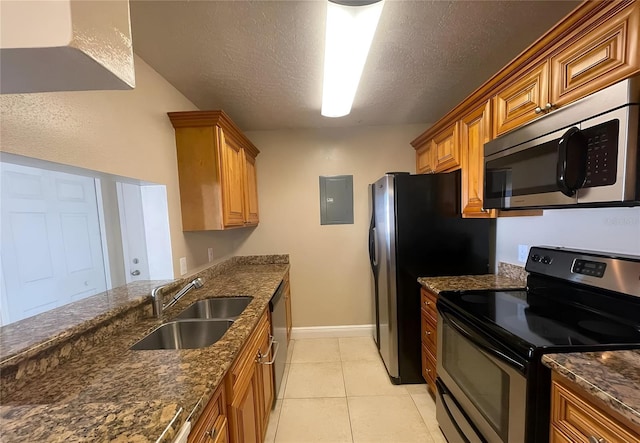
x=538 y=110
x=548 y=107
x=593 y=439
x=211 y=433
x=426 y=303
x=427 y=332
x=428 y=371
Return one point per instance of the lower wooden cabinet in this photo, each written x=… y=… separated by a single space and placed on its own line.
x=250 y=387
x=577 y=416
x=429 y=331
x=212 y=427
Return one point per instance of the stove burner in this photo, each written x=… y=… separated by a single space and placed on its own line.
x=607 y=328
x=474 y=298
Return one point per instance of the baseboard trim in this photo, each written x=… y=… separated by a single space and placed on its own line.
x=332 y=331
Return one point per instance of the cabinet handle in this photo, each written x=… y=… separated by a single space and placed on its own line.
x=211 y=433
x=538 y=110
x=548 y=107
x=428 y=371
x=427 y=332
x=427 y=303
x=593 y=439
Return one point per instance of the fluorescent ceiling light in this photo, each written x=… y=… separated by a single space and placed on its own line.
x=350 y=30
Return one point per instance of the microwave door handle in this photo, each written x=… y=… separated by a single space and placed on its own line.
x=572 y=161
x=481 y=343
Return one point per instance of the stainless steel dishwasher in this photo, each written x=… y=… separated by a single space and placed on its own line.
x=279 y=333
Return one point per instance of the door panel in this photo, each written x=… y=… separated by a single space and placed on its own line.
x=51 y=240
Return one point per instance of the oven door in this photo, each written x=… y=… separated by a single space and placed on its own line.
x=525 y=175
x=482 y=396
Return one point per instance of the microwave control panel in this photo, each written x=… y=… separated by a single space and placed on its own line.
x=602 y=154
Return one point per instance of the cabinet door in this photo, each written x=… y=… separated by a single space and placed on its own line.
x=244 y=411
x=599 y=58
x=475 y=131
x=446 y=149
x=515 y=105
x=425 y=160
x=250 y=190
x=232 y=181
x=265 y=374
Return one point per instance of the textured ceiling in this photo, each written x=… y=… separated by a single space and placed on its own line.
x=262 y=61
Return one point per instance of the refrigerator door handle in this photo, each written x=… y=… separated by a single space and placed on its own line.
x=374 y=256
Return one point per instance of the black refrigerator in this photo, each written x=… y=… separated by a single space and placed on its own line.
x=416 y=231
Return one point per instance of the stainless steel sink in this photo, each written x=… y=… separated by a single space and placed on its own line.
x=184 y=334
x=219 y=307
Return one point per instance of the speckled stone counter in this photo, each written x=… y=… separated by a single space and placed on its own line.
x=469 y=282
x=612 y=376
x=110 y=393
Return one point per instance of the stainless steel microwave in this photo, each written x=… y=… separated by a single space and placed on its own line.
x=584 y=154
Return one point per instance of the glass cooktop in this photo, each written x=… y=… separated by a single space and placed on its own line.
x=539 y=321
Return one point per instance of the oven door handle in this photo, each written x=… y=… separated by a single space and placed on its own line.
x=485 y=345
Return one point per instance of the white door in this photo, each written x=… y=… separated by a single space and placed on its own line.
x=134 y=244
x=51 y=241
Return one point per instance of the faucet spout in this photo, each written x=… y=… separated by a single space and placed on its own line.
x=197 y=284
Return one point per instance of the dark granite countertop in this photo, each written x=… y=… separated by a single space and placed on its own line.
x=469 y=282
x=110 y=393
x=612 y=376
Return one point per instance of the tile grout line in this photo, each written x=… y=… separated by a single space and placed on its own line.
x=421 y=417
x=346 y=397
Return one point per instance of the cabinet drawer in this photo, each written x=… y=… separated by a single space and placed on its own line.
x=579 y=420
x=428 y=303
x=428 y=330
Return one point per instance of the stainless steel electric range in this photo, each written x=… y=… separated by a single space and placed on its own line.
x=492 y=386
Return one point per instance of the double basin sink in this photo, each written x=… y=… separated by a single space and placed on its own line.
x=200 y=325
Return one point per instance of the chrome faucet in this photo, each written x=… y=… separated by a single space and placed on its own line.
x=159 y=307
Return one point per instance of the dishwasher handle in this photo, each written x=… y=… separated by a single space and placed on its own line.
x=275 y=353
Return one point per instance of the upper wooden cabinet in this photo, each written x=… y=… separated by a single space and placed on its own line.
x=217 y=172
x=522 y=100
x=597 y=57
x=593 y=47
x=475 y=131
x=441 y=153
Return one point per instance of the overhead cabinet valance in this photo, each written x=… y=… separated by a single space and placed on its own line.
x=217 y=172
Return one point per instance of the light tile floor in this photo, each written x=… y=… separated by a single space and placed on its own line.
x=337 y=390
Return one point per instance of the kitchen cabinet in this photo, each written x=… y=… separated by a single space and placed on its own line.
x=250 y=387
x=593 y=47
x=287 y=300
x=441 y=153
x=211 y=427
x=429 y=330
x=577 y=416
x=216 y=170
x=475 y=131
x=517 y=102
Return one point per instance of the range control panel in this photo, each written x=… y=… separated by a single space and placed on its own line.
x=587 y=267
x=612 y=271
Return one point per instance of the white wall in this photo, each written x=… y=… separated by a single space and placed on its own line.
x=330 y=276
x=602 y=229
